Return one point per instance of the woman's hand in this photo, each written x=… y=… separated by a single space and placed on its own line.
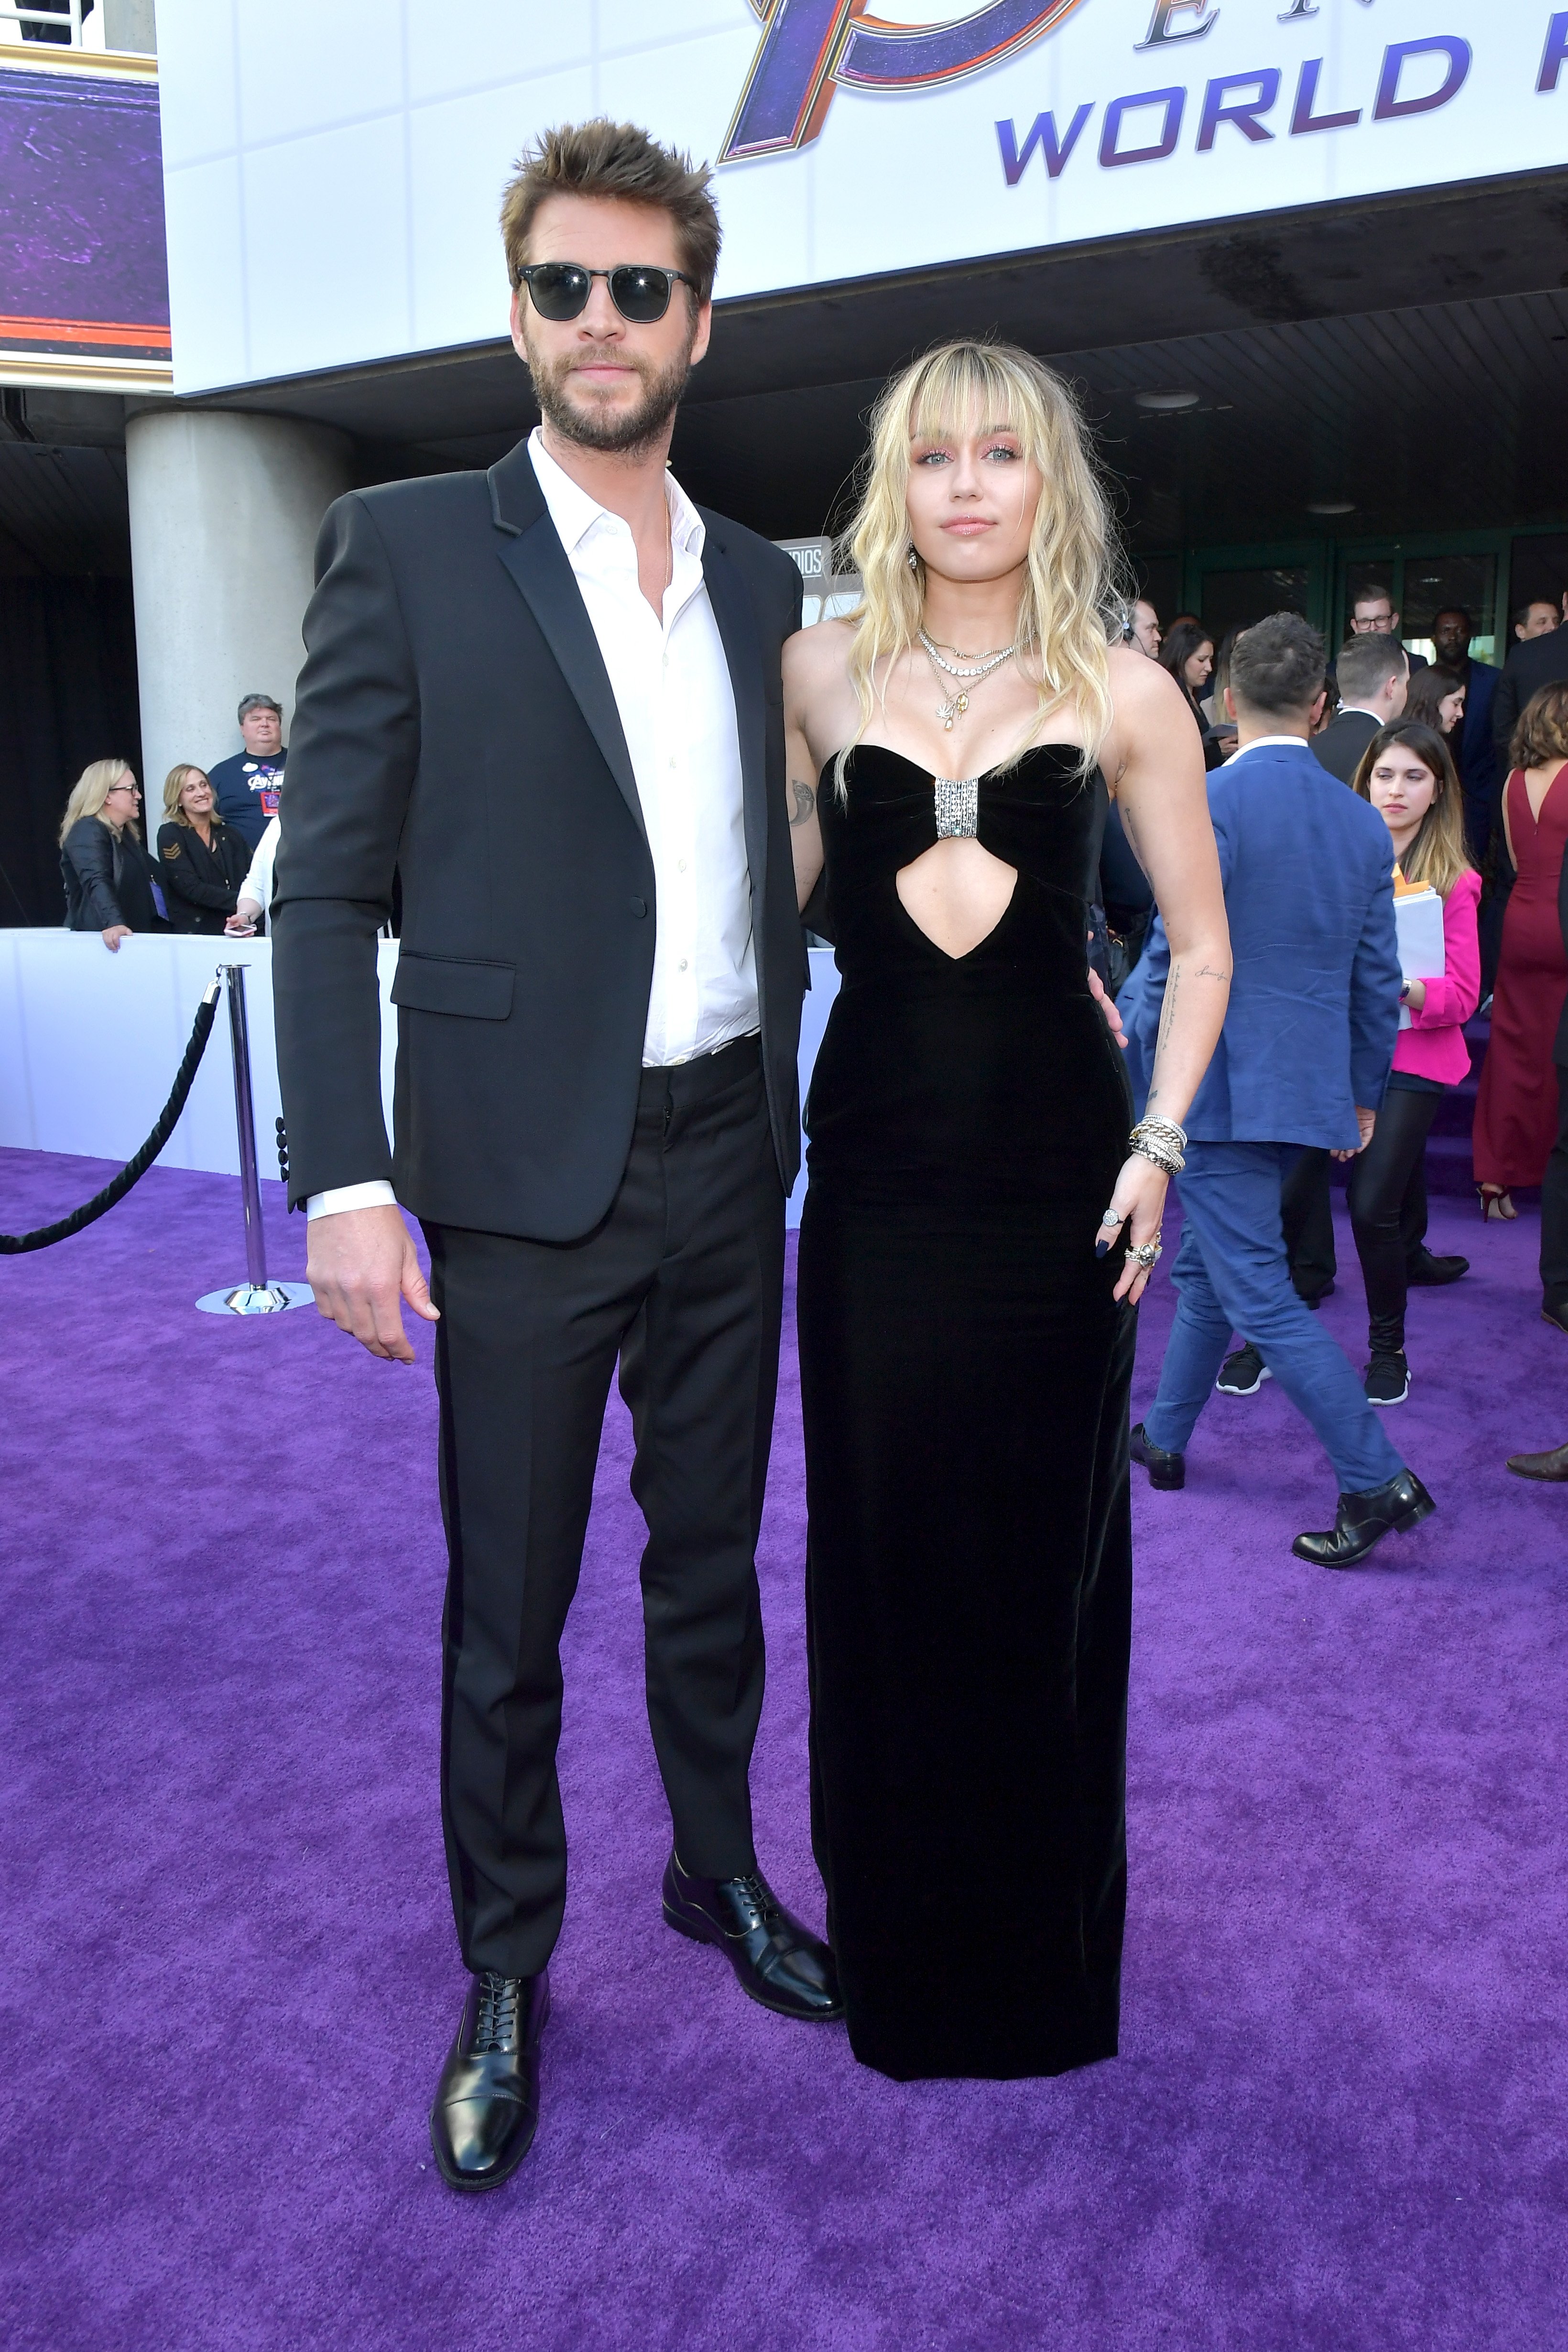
x=1413 y=994
x=241 y=924
x=1137 y=1205
x=114 y=934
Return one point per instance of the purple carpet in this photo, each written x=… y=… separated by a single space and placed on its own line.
x=228 y=1966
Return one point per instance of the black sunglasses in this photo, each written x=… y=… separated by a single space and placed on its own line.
x=560 y=289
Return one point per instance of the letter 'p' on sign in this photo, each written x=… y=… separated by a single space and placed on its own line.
x=809 y=47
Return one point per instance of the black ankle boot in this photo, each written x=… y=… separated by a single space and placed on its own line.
x=1401 y=1502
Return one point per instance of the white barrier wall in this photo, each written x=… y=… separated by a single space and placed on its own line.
x=90 y=1043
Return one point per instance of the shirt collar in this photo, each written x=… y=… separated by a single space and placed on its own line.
x=1268 y=743
x=575 y=513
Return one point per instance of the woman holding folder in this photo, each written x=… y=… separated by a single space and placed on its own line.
x=1408 y=776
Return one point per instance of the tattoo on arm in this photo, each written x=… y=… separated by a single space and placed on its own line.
x=804 y=801
x=1168 y=1014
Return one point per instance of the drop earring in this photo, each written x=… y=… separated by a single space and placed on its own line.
x=912 y=559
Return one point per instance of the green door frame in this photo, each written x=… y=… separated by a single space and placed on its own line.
x=1312 y=555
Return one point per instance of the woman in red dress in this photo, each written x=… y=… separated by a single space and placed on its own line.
x=1516 y=1117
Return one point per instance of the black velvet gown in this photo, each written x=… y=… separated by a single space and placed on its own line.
x=964 y=1372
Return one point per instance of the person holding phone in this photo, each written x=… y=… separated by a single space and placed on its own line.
x=1408 y=776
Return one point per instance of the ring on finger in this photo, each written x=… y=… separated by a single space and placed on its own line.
x=1111 y=1217
x=1146 y=1253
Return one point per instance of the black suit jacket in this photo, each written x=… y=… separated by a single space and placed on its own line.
x=201 y=885
x=108 y=880
x=1539 y=661
x=454 y=721
x=1342 y=741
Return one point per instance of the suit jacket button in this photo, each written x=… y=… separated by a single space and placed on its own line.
x=638 y=906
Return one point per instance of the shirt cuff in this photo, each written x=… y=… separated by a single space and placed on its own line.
x=378 y=1194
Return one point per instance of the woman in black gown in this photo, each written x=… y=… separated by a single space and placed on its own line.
x=965 y=1347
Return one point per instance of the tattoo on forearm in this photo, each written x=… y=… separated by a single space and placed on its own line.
x=804 y=801
x=1168 y=1015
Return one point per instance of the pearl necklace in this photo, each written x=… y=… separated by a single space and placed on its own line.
x=958 y=703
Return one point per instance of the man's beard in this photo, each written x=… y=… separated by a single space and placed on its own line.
x=615 y=431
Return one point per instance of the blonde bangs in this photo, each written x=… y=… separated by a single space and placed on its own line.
x=1073 y=560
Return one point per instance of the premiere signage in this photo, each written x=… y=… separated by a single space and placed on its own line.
x=1015 y=124
x=351 y=217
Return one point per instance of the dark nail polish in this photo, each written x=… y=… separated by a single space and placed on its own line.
x=1100 y=1248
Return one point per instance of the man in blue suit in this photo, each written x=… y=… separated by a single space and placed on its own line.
x=1302 y=1060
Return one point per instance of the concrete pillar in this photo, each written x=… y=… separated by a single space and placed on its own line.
x=224 y=514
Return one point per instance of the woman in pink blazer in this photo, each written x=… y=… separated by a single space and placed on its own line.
x=1408 y=776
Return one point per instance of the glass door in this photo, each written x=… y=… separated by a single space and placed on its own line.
x=1231 y=586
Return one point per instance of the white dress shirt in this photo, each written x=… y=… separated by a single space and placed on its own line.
x=671 y=685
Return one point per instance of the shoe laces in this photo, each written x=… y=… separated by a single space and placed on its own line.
x=495 y=2026
x=754 y=1893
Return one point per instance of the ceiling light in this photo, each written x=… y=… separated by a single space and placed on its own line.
x=1165 y=404
x=1331 y=506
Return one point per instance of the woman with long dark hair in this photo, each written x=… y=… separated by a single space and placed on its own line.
x=1407 y=775
x=1188 y=653
x=980 y=1222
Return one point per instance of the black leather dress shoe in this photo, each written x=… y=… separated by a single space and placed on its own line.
x=1558 y=1315
x=1401 y=1502
x=1426 y=1271
x=1553 y=1465
x=486 y=2102
x=1165 y=1469
x=778 y=1961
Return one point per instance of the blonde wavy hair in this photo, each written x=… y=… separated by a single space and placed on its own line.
x=91 y=789
x=174 y=784
x=1075 y=568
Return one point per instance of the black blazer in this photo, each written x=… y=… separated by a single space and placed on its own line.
x=201 y=885
x=1342 y=741
x=1538 y=662
x=454 y=721
x=107 y=878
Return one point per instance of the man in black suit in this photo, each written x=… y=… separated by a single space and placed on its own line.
x=548 y=697
x=1373 y=674
x=1532 y=663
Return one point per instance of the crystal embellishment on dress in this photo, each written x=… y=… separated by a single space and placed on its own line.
x=957 y=807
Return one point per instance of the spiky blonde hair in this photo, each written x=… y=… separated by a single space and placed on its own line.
x=1074 y=560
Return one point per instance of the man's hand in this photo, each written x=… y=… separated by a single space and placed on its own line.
x=1107 y=1007
x=362 y=1265
x=1365 y=1120
x=114 y=934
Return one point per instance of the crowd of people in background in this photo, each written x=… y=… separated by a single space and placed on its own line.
x=211 y=868
x=1466 y=763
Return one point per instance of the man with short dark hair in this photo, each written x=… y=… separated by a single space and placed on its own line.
x=1146 y=630
x=1373 y=674
x=1532 y=663
x=549 y=698
x=1303 y=1059
x=246 y=786
x=1535 y=618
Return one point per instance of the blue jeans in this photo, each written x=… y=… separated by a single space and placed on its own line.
x=1233 y=1274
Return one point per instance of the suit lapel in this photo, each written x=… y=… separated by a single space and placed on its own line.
x=531 y=551
x=732 y=603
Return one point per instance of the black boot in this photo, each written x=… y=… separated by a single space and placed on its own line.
x=1165 y=1469
x=486 y=2102
x=779 y=1962
x=1362 y=1520
x=1426 y=1272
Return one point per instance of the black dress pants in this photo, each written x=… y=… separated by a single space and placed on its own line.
x=1381 y=1178
x=683 y=1280
x=1307 y=1214
x=1554 y=1208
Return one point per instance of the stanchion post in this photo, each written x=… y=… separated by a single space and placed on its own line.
x=245 y=1126
x=255 y=1295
